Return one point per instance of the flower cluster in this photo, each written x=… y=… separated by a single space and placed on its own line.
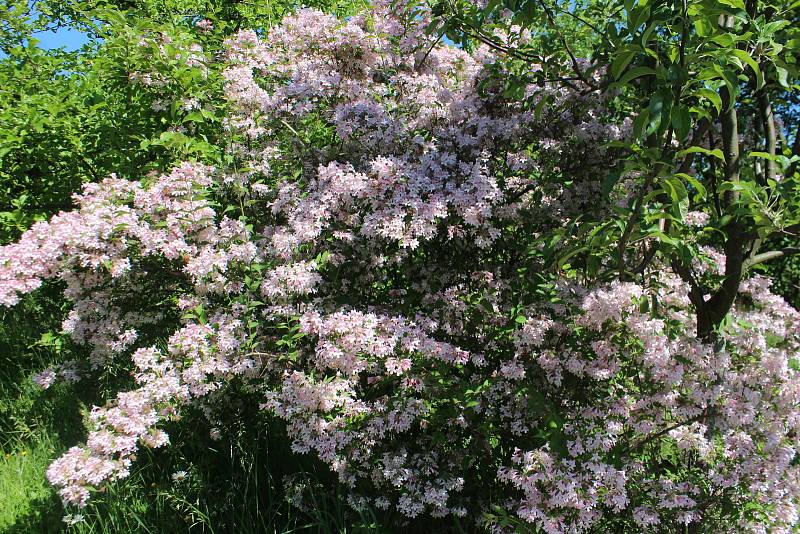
x=380 y=293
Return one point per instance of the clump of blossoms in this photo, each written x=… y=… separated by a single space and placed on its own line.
x=380 y=292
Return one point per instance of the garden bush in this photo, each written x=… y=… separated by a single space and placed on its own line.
x=493 y=285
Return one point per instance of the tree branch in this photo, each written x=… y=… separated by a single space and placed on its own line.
x=575 y=66
x=770 y=135
x=697 y=137
x=770 y=255
x=641 y=443
x=585 y=22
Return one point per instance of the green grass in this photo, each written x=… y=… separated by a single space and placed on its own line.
x=150 y=502
x=233 y=486
x=27 y=502
x=35 y=425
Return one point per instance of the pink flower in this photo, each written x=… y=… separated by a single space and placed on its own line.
x=45 y=379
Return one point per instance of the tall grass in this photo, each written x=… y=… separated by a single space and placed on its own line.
x=27 y=503
x=34 y=424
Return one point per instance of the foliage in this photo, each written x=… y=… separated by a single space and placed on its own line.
x=397 y=261
x=70 y=118
x=692 y=75
x=25 y=492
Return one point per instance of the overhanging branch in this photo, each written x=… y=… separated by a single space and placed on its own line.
x=770 y=255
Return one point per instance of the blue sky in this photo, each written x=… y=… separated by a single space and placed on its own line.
x=67 y=38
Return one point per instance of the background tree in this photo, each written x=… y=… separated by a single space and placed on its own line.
x=710 y=87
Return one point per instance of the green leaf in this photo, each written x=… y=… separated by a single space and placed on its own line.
x=681 y=121
x=638 y=16
x=635 y=72
x=639 y=123
x=703 y=28
x=664 y=238
x=709 y=74
x=744 y=56
x=725 y=40
x=737 y=186
x=717 y=153
x=765 y=155
x=782 y=77
x=562 y=261
x=737 y=4
x=648 y=32
x=544 y=99
x=676 y=189
x=610 y=181
x=731 y=83
x=194 y=116
x=712 y=96
x=779 y=158
x=621 y=61
x=695 y=183
x=659 y=108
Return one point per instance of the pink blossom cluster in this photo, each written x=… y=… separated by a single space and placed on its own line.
x=737 y=419
x=199 y=358
x=382 y=294
x=409 y=112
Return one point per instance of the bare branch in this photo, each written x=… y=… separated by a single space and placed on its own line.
x=770 y=135
x=770 y=255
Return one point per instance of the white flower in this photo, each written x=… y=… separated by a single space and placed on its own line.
x=72 y=519
x=45 y=379
x=696 y=218
x=180 y=476
x=190 y=103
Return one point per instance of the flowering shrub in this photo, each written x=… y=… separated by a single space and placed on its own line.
x=370 y=267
